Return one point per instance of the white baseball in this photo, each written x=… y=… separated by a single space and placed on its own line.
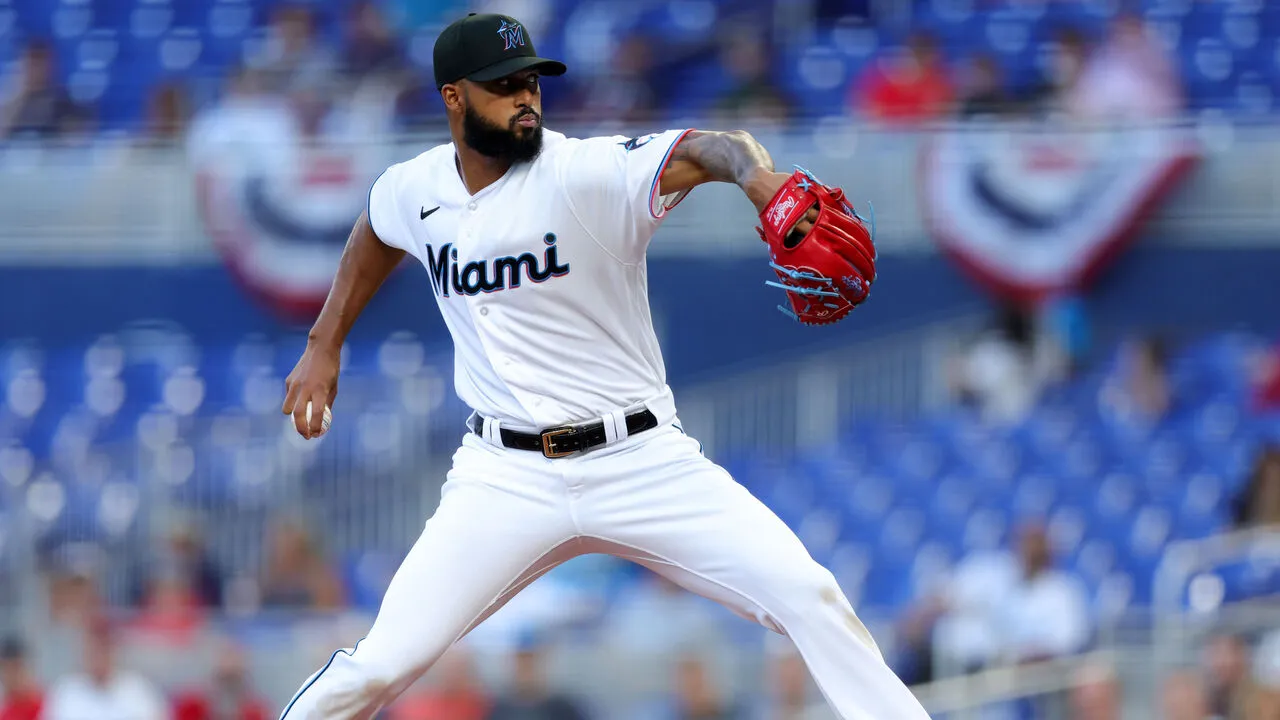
x=324 y=422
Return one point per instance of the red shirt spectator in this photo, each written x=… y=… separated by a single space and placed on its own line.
x=171 y=612
x=230 y=696
x=196 y=706
x=442 y=706
x=22 y=698
x=905 y=88
x=1128 y=77
x=22 y=706
x=455 y=693
x=1266 y=380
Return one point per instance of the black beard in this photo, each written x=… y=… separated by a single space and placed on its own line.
x=511 y=143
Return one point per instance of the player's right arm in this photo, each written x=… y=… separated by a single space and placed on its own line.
x=366 y=263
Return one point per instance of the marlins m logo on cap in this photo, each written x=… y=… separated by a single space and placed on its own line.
x=512 y=34
x=466 y=49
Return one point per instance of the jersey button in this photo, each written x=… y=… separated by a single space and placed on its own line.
x=471 y=206
x=484 y=311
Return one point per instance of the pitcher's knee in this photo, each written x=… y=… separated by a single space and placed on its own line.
x=800 y=590
x=820 y=600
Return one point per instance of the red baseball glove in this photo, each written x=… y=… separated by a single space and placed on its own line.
x=827 y=271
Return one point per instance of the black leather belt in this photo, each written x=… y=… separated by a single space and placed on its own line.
x=561 y=441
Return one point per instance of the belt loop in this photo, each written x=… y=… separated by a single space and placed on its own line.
x=615 y=427
x=493 y=432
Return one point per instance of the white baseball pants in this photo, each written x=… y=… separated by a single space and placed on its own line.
x=507 y=517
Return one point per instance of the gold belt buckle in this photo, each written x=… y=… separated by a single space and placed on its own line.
x=548 y=436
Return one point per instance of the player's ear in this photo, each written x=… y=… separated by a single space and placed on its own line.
x=451 y=94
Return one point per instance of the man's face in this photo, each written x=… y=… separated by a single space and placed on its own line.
x=1034 y=549
x=1226 y=660
x=37 y=68
x=502 y=119
x=528 y=672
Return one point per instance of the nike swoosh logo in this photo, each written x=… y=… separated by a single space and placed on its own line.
x=425 y=212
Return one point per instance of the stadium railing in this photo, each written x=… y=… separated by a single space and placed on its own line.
x=1190 y=592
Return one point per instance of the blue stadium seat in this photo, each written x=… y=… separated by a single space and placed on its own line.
x=1094 y=560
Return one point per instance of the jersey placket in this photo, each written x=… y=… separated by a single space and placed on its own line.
x=486 y=309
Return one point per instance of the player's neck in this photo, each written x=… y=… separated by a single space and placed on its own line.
x=476 y=170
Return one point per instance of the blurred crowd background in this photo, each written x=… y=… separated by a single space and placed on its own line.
x=82 y=70
x=1044 y=461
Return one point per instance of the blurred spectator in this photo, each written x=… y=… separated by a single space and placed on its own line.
x=230 y=696
x=960 y=629
x=170 y=612
x=39 y=105
x=74 y=598
x=22 y=698
x=1228 y=683
x=453 y=693
x=1264 y=702
x=1129 y=77
x=789 y=689
x=1068 y=335
x=696 y=696
x=1057 y=89
x=1096 y=694
x=1264 y=372
x=754 y=96
x=1000 y=609
x=103 y=690
x=1183 y=698
x=1258 y=504
x=1002 y=372
x=983 y=92
x=530 y=698
x=293 y=55
x=1047 y=614
x=905 y=86
x=168 y=112
x=313 y=107
x=183 y=557
x=1140 y=391
x=245 y=115
x=371 y=46
x=297 y=574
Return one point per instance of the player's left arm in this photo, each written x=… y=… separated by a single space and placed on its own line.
x=732 y=157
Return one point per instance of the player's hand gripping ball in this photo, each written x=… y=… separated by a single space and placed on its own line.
x=828 y=270
x=324 y=421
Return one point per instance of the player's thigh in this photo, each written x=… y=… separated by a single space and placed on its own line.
x=499 y=525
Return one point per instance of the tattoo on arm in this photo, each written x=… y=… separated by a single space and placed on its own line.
x=725 y=156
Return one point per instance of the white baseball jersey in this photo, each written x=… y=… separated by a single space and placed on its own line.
x=541 y=276
x=541 y=280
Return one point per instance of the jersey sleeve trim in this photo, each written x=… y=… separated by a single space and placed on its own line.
x=657 y=206
x=368 y=205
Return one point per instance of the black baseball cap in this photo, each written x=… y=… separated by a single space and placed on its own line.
x=484 y=46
